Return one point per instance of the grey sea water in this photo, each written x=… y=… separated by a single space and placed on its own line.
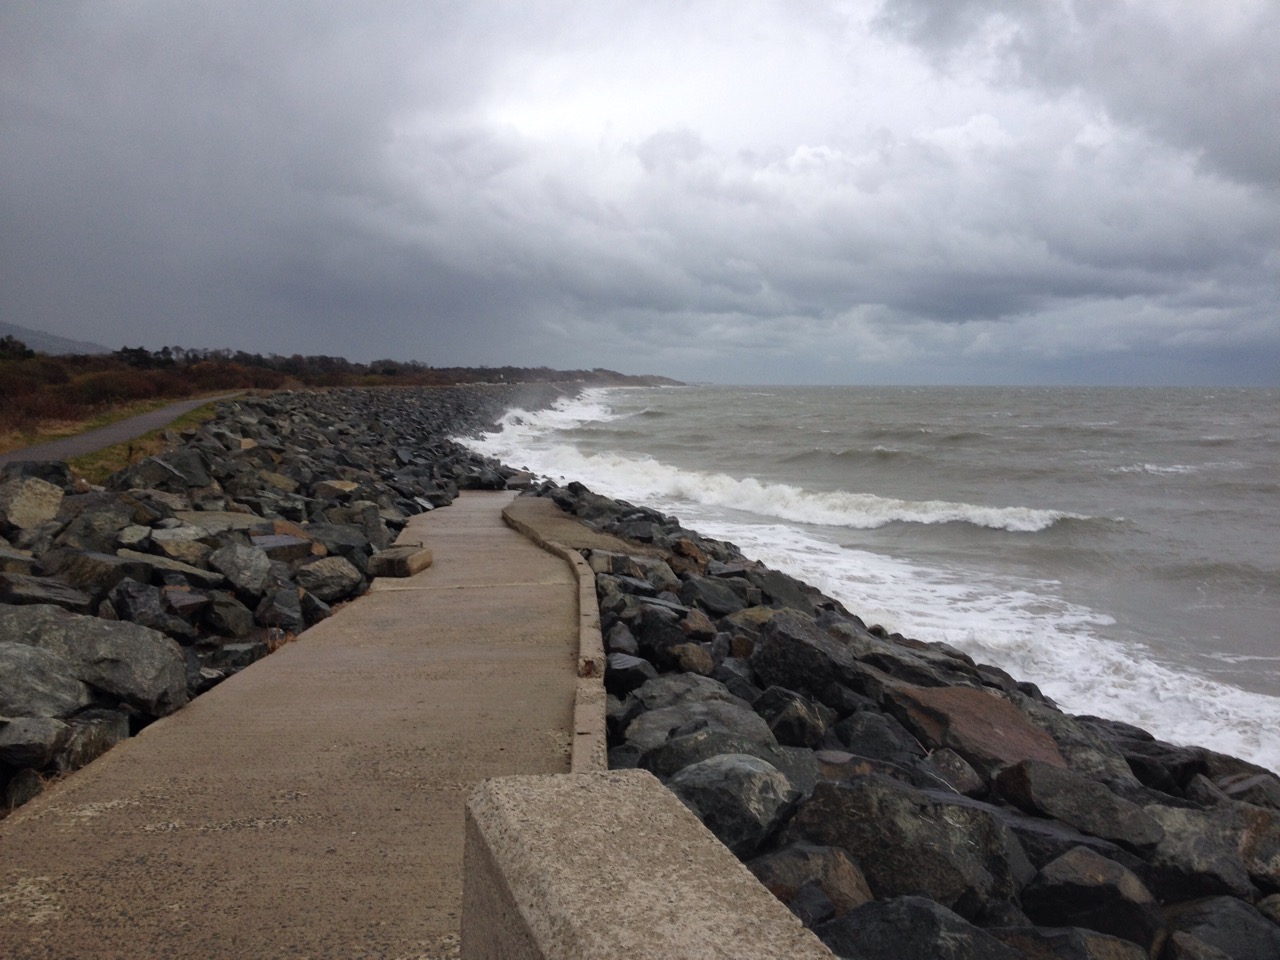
x=1120 y=547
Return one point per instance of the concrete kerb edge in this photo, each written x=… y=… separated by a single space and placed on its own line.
x=589 y=751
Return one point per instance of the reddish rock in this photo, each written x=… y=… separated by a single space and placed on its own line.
x=987 y=730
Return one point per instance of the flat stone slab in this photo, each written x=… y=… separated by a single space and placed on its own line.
x=400 y=561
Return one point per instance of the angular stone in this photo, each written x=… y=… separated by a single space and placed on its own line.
x=247 y=568
x=955 y=771
x=1088 y=806
x=35 y=682
x=19 y=590
x=31 y=741
x=228 y=616
x=28 y=502
x=281 y=607
x=1082 y=889
x=334 y=489
x=687 y=749
x=690 y=658
x=16 y=561
x=794 y=719
x=712 y=595
x=329 y=578
x=655 y=727
x=144 y=604
x=910 y=841
x=198 y=576
x=909 y=926
x=624 y=673
x=787 y=872
x=95 y=573
x=1236 y=928
x=93 y=733
x=1199 y=855
x=794 y=652
x=740 y=798
x=673 y=689
x=985 y=729
x=1067 y=943
x=869 y=733
x=402 y=561
x=142 y=667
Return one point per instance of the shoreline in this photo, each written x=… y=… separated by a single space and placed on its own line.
x=896 y=759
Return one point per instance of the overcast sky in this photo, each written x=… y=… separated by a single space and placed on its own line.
x=879 y=191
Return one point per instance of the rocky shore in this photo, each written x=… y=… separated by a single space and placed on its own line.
x=119 y=604
x=902 y=799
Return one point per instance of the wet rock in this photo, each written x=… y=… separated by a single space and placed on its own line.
x=1236 y=928
x=953 y=770
x=673 y=755
x=791 y=651
x=740 y=798
x=144 y=604
x=909 y=928
x=1082 y=889
x=909 y=841
x=35 y=682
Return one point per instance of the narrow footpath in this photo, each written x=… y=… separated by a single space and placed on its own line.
x=312 y=805
x=122 y=431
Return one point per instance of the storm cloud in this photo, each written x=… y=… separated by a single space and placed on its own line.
x=898 y=191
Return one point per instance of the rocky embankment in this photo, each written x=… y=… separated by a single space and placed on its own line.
x=903 y=800
x=119 y=604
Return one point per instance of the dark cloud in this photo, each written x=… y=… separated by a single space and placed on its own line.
x=747 y=191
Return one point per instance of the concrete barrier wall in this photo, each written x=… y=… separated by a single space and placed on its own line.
x=610 y=865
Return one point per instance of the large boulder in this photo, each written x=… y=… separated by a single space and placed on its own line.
x=909 y=928
x=912 y=841
x=1199 y=854
x=31 y=741
x=740 y=798
x=985 y=729
x=329 y=578
x=654 y=728
x=140 y=666
x=787 y=872
x=247 y=568
x=35 y=682
x=1082 y=889
x=1053 y=791
x=27 y=502
x=1236 y=928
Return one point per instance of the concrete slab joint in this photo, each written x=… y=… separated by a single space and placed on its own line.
x=610 y=865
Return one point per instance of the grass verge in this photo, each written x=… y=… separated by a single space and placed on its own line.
x=96 y=467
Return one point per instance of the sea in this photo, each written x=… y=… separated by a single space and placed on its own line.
x=1119 y=547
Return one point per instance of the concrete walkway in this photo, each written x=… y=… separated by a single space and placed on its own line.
x=312 y=806
x=122 y=431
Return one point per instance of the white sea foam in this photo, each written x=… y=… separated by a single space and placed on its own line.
x=1021 y=625
x=1024 y=626
x=520 y=444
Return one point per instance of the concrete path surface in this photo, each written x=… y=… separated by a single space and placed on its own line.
x=68 y=448
x=312 y=805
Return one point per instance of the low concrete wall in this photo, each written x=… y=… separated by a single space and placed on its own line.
x=589 y=747
x=610 y=865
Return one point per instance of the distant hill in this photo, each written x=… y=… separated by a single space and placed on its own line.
x=48 y=343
